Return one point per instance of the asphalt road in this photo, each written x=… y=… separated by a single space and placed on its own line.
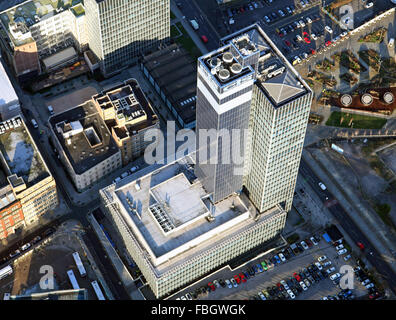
x=347 y=223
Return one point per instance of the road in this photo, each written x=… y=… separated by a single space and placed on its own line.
x=347 y=224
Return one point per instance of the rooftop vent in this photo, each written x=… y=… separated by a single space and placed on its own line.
x=367 y=99
x=224 y=74
x=214 y=62
x=236 y=68
x=346 y=100
x=228 y=57
x=388 y=97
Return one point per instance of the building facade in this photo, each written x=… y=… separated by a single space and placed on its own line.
x=27 y=188
x=119 y=31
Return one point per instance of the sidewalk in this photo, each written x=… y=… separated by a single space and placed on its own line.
x=189 y=29
x=377 y=233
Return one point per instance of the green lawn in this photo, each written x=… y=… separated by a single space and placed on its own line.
x=174 y=32
x=186 y=42
x=358 y=122
x=172 y=15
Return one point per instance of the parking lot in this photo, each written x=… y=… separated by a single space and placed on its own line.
x=299 y=262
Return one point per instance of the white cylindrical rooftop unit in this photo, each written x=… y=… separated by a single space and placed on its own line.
x=388 y=97
x=236 y=68
x=228 y=57
x=367 y=99
x=224 y=74
x=346 y=100
x=214 y=62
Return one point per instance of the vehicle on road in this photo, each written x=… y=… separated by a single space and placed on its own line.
x=194 y=24
x=6 y=271
x=322 y=186
x=360 y=245
x=34 y=123
x=204 y=39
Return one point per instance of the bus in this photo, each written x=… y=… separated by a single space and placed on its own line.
x=98 y=292
x=73 y=279
x=79 y=264
x=5 y=272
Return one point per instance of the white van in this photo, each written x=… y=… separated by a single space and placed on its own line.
x=194 y=24
x=50 y=110
x=34 y=123
x=391 y=42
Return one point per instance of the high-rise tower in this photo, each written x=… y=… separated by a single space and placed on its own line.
x=120 y=30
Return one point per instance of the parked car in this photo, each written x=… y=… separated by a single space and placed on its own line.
x=222 y=283
x=339 y=247
x=347 y=257
x=304 y=245
x=291 y=294
x=284 y=284
x=326 y=264
x=228 y=283
x=216 y=283
x=242 y=276
x=211 y=286
x=342 y=251
x=133 y=169
x=237 y=279
x=26 y=246
x=188 y=296
x=330 y=270
x=262 y=296
x=335 y=276
x=322 y=258
x=36 y=239
x=264 y=265
x=302 y=284
x=318 y=265
x=234 y=283
x=282 y=257
x=328 y=29
x=370 y=285
x=15 y=253
x=367 y=281
x=314 y=37
x=296 y=276
x=307 y=283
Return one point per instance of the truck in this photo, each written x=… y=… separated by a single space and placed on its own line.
x=50 y=110
x=194 y=24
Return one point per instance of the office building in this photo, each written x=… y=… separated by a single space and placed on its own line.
x=9 y=101
x=36 y=29
x=27 y=188
x=186 y=219
x=119 y=31
x=103 y=134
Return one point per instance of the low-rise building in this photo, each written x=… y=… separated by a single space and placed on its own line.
x=103 y=134
x=85 y=145
x=173 y=231
x=27 y=188
x=173 y=74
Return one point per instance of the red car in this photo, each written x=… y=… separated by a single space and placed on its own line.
x=297 y=276
x=204 y=39
x=211 y=286
x=287 y=43
x=238 y=281
x=242 y=276
x=281 y=288
x=360 y=245
x=313 y=51
x=328 y=43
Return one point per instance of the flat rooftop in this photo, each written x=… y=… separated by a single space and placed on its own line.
x=19 y=152
x=175 y=72
x=7 y=92
x=89 y=141
x=31 y=12
x=275 y=76
x=173 y=196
